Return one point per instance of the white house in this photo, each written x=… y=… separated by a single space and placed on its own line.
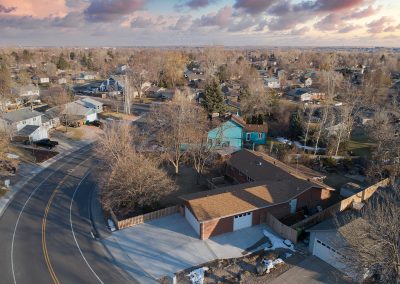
x=272 y=83
x=26 y=91
x=44 y=80
x=92 y=104
x=25 y=122
x=327 y=244
x=20 y=118
x=78 y=111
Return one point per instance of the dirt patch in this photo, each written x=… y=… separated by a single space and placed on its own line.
x=3 y=191
x=117 y=116
x=39 y=155
x=243 y=270
x=85 y=132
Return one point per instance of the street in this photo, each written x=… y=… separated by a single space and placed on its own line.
x=46 y=229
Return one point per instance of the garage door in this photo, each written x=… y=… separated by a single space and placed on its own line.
x=192 y=221
x=327 y=253
x=242 y=221
x=91 y=117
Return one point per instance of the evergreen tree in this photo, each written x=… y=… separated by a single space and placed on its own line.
x=72 y=55
x=62 y=64
x=84 y=61
x=213 y=98
x=296 y=125
x=260 y=119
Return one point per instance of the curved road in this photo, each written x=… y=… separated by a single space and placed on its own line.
x=45 y=231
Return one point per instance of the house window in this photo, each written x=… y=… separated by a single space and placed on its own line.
x=34 y=119
x=248 y=136
x=260 y=135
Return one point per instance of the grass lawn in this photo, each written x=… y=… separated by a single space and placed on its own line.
x=73 y=133
x=336 y=180
x=361 y=145
x=187 y=183
x=24 y=155
x=117 y=116
x=3 y=191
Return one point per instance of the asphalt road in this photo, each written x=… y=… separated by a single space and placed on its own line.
x=45 y=231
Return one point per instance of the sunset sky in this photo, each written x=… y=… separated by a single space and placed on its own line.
x=200 y=22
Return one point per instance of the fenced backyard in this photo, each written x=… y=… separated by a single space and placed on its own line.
x=130 y=222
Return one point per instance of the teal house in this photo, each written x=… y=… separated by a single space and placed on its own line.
x=236 y=133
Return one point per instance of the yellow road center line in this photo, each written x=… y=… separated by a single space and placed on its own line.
x=44 y=221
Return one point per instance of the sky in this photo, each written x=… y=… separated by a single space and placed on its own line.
x=200 y=22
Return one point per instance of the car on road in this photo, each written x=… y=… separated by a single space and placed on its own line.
x=46 y=143
x=111 y=225
x=96 y=123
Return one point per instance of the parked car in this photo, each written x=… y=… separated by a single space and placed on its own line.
x=96 y=123
x=73 y=124
x=46 y=143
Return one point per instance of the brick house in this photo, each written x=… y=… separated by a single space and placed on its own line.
x=266 y=185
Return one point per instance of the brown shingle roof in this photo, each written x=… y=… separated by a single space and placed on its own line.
x=233 y=200
x=250 y=127
x=274 y=183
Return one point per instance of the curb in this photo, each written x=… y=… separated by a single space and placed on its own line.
x=19 y=185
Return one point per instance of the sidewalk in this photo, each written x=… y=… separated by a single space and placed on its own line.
x=26 y=172
x=113 y=249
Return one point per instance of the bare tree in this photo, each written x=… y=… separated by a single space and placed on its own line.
x=172 y=126
x=373 y=240
x=130 y=180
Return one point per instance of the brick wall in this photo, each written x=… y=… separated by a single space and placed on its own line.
x=216 y=227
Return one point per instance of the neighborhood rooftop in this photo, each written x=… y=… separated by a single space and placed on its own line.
x=273 y=183
x=20 y=115
x=258 y=166
x=231 y=200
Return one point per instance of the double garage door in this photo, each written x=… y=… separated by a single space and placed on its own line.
x=328 y=254
x=242 y=221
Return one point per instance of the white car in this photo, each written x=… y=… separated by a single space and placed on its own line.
x=111 y=225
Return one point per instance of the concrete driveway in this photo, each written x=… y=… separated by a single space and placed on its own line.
x=168 y=245
x=312 y=270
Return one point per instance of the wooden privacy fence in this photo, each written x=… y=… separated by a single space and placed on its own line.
x=340 y=206
x=130 y=222
x=283 y=230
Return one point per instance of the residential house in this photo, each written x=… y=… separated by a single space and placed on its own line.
x=92 y=104
x=327 y=243
x=27 y=91
x=272 y=83
x=78 y=111
x=266 y=185
x=235 y=133
x=25 y=123
x=41 y=79
x=306 y=94
x=111 y=85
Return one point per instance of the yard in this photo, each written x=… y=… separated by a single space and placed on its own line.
x=187 y=183
x=244 y=269
x=360 y=145
x=117 y=116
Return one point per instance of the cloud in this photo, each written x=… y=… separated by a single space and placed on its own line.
x=182 y=23
x=328 y=5
x=253 y=7
x=301 y=31
x=329 y=23
x=111 y=10
x=71 y=20
x=367 y=12
x=6 y=10
x=222 y=18
x=195 y=4
x=379 y=25
x=391 y=28
x=348 y=28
